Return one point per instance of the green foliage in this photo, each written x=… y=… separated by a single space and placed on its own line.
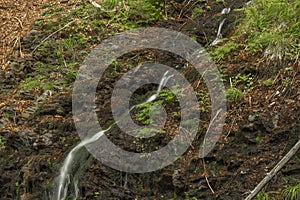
x=96 y=194
x=259 y=138
x=146 y=131
x=2 y=141
x=132 y=14
x=292 y=192
x=220 y=1
x=268 y=82
x=239 y=84
x=263 y=196
x=204 y=100
x=244 y=81
x=31 y=83
x=53 y=10
x=234 y=95
x=144 y=110
x=187 y=196
x=273 y=27
x=226 y=50
x=197 y=11
x=166 y=97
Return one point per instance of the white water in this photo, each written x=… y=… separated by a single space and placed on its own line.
x=64 y=178
x=219 y=34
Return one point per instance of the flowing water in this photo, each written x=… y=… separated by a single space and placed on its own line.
x=71 y=165
x=219 y=34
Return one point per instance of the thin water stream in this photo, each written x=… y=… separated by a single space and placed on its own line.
x=219 y=36
x=69 y=170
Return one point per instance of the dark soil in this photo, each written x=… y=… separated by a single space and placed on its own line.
x=39 y=130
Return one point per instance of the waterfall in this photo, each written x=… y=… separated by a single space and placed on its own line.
x=70 y=164
x=219 y=36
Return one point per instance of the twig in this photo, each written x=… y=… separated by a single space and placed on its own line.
x=206 y=177
x=233 y=121
x=274 y=171
x=20 y=48
x=20 y=22
x=65 y=26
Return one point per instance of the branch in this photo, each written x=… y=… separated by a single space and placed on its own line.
x=274 y=171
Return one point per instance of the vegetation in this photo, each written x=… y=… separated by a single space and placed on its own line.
x=263 y=196
x=69 y=50
x=292 y=192
x=271 y=28
x=270 y=31
x=2 y=141
x=234 y=95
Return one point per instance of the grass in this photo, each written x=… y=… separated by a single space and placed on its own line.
x=270 y=28
x=2 y=141
x=263 y=196
x=292 y=192
x=234 y=95
x=273 y=28
x=62 y=52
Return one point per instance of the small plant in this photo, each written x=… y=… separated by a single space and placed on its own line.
x=187 y=196
x=2 y=141
x=31 y=83
x=226 y=50
x=268 y=82
x=292 y=192
x=197 y=11
x=134 y=13
x=244 y=80
x=263 y=196
x=143 y=116
x=96 y=194
x=220 y=1
x=234 y=95
x=258 y=138
x=150 y=131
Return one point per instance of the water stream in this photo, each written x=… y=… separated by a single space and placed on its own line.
x=71 y=165
x=219 y=36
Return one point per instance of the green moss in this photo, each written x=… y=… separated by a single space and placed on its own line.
x=273 y=27
x=268 y=82
x=197 y=11
x=226 y=50
x=234 y=95
x=2 y=141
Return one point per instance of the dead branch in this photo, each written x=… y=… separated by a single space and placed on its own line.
x=20 y=22
x=206 y=179
x=274 y=171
